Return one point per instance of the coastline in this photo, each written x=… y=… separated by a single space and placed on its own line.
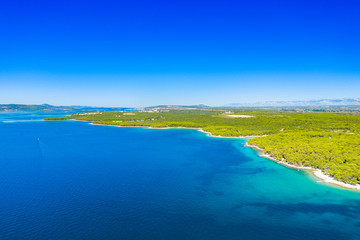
x=218 y=136
x=277 y=160
x=199 y=129
x=316 y=172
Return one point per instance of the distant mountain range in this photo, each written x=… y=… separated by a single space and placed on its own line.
x=51 y=108
x=310 y=103
x=198 y=106
x=348 y=102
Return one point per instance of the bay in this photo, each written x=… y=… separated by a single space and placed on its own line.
x=73 y=180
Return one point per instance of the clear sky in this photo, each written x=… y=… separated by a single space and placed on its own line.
x=141 y=53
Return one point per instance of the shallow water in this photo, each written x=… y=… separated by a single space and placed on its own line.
x=73 y=180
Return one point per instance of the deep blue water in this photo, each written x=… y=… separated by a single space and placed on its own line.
x=73 y=180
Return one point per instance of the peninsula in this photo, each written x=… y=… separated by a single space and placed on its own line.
x=326 y=142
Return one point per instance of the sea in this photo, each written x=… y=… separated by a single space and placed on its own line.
x=73 y=180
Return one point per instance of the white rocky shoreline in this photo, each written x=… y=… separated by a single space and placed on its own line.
x=316 y=172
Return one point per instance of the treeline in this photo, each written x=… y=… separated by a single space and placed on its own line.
x=56 y=119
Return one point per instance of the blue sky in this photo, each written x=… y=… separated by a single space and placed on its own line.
x=141 y=53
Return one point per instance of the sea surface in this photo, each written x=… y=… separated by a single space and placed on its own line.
x=73 y=180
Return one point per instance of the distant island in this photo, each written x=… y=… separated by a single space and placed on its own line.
x=52 y=108
x=326 y=142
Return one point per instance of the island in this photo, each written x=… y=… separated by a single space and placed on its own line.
x=52 y=108
x=326 y=142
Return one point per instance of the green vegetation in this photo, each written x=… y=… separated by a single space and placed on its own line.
x=328 y=141
x=336 y=154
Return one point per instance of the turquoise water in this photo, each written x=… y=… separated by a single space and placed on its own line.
x=73 y=180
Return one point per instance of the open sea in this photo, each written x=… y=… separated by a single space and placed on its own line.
x=72 y=180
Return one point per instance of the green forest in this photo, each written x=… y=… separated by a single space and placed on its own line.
x=327 y=141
